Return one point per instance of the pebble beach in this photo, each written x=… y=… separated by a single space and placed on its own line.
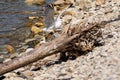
x=102 y=63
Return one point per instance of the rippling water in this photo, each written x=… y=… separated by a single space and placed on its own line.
x=11 y=17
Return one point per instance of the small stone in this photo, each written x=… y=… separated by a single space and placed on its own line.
x=31 y=42
x=36 y=30
x=6 y=60
x=38 y=78
x=36 y=2
x=40 y=24
x=19 y=70
x=8 y=75
x=13 y=55
x=29 y=50
x=12 y=78
x=32 y=17
x=10 y=48
x=28 y=73
x=99 y=2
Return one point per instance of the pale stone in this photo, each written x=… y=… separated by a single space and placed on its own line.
x=35 y=29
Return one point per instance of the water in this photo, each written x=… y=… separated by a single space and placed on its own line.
x=12 y=16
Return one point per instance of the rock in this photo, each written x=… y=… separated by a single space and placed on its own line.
x=10 y=48
x=72 y=13
x=39 y=2
x=6 y=60
x=99 y=2
x=39 y=24
x=29 y=50
x=36 y=30
x=8 y=75
x=20 y=70
x=14 y=55
x=28 y=73
x=12 y=78
x=38 y=78
x=35 y=2
x=59 y=2
x=31 y=42
x=84 y=4
x=32 y=17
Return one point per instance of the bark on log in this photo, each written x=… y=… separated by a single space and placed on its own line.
x=58 y=45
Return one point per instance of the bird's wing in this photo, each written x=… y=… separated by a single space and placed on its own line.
x=49 y=16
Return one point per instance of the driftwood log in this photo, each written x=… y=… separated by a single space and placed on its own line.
x=71 y=38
